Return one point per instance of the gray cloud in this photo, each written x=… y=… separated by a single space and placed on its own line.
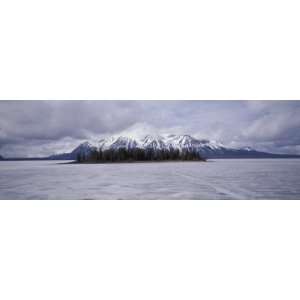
x=46 y=127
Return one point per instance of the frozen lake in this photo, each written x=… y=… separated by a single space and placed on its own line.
x=215 y=179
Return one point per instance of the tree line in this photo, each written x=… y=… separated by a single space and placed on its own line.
x=137 y=154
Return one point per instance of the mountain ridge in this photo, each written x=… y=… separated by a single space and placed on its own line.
x=204 y=147
x=208 y=149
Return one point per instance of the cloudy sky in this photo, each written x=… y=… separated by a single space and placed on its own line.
x=39 y=128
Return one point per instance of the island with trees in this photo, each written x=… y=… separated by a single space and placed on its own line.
x=138 y=155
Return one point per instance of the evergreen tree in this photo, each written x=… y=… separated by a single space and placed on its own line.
x=138 y=154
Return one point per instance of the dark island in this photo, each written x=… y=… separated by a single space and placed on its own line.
x=138 y=155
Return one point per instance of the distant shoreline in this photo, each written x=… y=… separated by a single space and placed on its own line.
x=130 y=162
x=209 y=158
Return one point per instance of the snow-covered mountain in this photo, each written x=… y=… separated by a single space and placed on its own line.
x=158 y=142
x=206 y=148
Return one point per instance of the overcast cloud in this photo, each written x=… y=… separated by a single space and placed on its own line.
x=39 y=128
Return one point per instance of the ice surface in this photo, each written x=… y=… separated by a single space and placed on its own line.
x=215 y=179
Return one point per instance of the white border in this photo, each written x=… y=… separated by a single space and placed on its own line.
x=149 y=50
x=137 y=50
x=149 y=250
